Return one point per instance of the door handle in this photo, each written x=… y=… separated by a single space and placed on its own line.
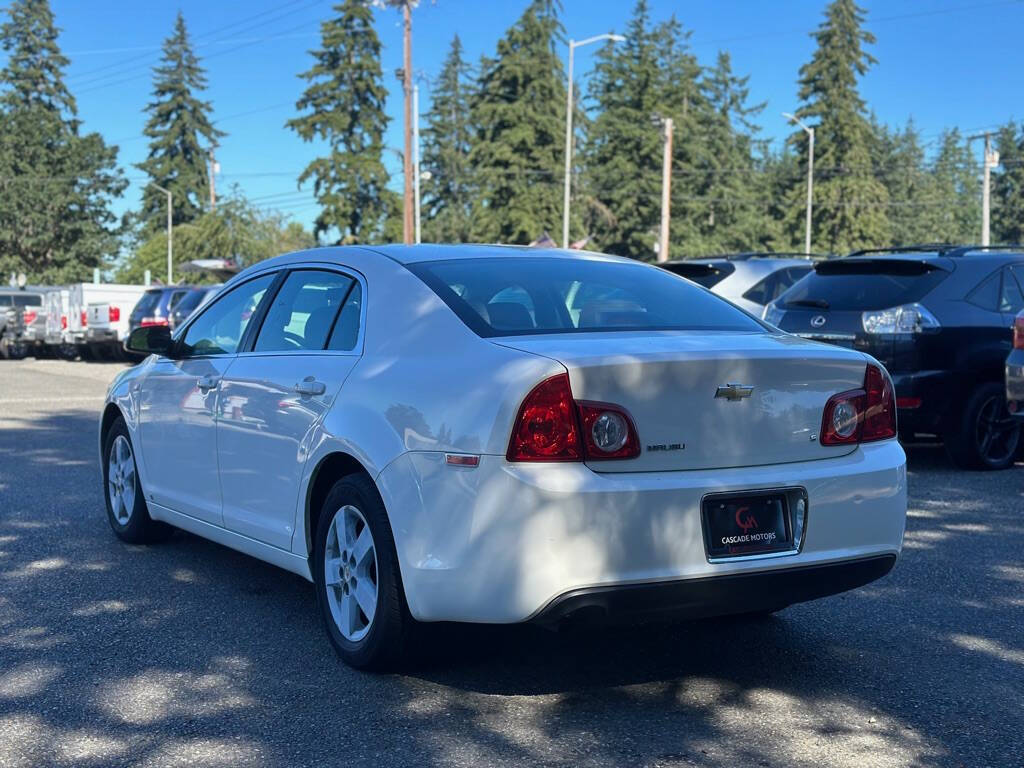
x=207 y=382
x=310 y=387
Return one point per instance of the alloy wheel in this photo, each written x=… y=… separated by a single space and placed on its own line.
x=350 y=573
x=121 y=480
x=997 y=433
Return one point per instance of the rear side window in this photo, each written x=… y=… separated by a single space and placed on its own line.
x=1010 y=297
x=28 y=300
x=303 y=312
x=702 y=273
x=986 y=295
x=863 y=284
x=538 y=295
x=773 y=286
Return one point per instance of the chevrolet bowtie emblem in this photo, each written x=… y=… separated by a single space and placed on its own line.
x=734 y=392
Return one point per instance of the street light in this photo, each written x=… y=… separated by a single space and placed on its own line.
x=170 y=244
x=810 y=175
x=573 y=45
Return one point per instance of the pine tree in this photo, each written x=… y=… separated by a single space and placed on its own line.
x=519 y=112
x=849 y=202
x=447 y=194
x=56 y=185
x=180 y=133
x=623 y=152
x=955 y=174
x=914 y=214
x=345 y=103
x=1008 y=187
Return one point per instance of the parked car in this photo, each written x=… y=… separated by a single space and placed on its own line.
x=191 y=302
x=1015 y=371
x=939 y=318
x=98 y=317
x=750 y=280
x=156 y=306
x=19 y=308
x=484 y=434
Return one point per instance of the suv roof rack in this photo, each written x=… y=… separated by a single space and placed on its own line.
x=941 y=249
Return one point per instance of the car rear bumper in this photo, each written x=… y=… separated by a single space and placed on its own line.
x=100 y=335
x=508 y=542
x=716 y=595
x=931 y=392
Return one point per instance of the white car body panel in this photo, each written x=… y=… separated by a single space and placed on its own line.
x=496 y=542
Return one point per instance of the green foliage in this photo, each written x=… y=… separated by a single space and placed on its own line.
x=448 y=193
x=519 y=117
x=56 y=186
x=344 y=106
x=234 y=230
x=1008 y=186
x=180 y=134
x=850 y=203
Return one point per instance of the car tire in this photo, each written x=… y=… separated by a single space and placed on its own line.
x=984 y=437
x=122 y=490
x=352 y=580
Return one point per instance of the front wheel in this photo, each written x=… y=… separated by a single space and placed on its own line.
x=126 y=507
x=985 y=436
x=358 y=584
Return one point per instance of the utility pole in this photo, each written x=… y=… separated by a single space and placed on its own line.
x=991 y=161
x=170 y=232
x=573 y=45
x=810 y=177
x=666 y=192
x=213 y=182
x=416 y=155
x=407 y=217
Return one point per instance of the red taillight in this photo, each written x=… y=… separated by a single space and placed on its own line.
x=551 y=426
x=908 y=402
x=146 y=322
x=85 y=319
x=63 y=322
x=1018 y=331
x=29 y=316
x=861 y=415
x=546 y=428
x=114 y=314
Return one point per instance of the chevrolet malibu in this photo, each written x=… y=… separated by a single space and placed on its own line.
x=484 y=434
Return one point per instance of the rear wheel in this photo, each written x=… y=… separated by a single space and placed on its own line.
x=358 y=585
x=986 y=436
x=126 y=507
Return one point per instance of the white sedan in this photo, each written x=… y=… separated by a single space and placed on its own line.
x=485 y=434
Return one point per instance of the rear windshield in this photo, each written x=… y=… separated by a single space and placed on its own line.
x=863 y=284
x=538 y=295
x=147 y=303
x=703 y=274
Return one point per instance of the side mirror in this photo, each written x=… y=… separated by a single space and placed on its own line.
x=150 y=340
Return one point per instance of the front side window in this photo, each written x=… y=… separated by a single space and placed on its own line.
x=535 y=295
x=219 y=329
x=304 y=311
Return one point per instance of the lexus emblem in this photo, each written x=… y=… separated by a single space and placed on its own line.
x=818 y=320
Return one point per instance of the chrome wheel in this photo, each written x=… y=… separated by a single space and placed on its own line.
x=121 y=480
x=350 y=573
x=997 y=433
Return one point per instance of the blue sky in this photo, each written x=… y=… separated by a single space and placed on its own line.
x=942 y=63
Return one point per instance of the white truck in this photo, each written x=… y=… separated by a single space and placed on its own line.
x=57 y=337
x=97 y=318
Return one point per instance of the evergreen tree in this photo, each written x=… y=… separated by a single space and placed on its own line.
x=732 y=216
x=56 y=186
x=447 y=194
x=519 y=114
x=623 y=152
x=849 y=202
x=914 y=212
x=1008 y=187
x=345 y=103
x=957 y=192
x=180 y=134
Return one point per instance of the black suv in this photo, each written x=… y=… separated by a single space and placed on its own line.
x=156 y=306
x=939 y=318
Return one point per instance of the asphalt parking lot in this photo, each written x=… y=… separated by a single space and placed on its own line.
x=187 y=653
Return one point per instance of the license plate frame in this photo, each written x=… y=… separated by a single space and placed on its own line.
x=753 y=524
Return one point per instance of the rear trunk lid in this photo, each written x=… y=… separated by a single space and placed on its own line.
x=668 y=382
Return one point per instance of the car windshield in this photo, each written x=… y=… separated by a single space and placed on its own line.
x=862 y=284
x=543 y=295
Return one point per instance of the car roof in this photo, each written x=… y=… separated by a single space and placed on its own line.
x=412 y=254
